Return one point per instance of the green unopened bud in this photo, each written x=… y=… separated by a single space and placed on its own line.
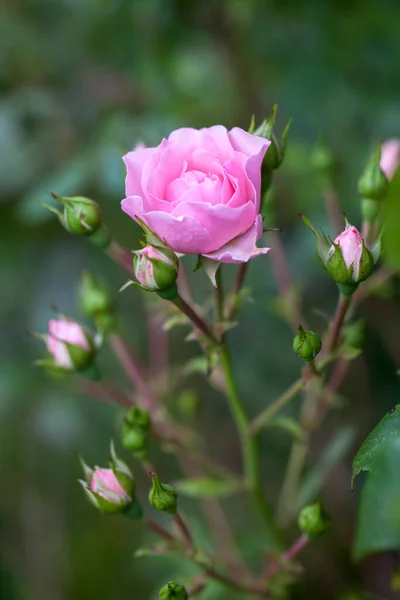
x=81 y=215
x=307 y=344
x=173 y=591
x=135 y=431
x=95 y=296
x=163 y=496
x=277 y=149
x=313 y=521
x=373 y=183
x=156 y=268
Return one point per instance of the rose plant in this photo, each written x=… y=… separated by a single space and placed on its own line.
x=200 y=192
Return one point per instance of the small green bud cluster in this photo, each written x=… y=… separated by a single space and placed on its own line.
x=135 y=431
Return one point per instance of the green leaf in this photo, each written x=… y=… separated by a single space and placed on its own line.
x=378 y=526
x=391 y=224
x=208 y=487
x=387 y=429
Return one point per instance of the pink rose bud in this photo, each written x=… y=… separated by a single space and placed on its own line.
x=156 y=268
x=199 y=192
x=69 y=344
x=390 y=157
x=349 y=259
x=110 y=490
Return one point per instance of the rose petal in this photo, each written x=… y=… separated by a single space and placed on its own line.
x=242 y=248
x=184 y=234
x=221 y=220
x=214 y=139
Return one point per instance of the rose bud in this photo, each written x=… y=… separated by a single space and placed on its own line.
x=307 y=344
x=163 y=496
x=313 y=521
x=173 y=591
x=277 y=149
x=110 y=490
x=98 y=302
x=390 y=157
x=349 y=259
x=80 y=215
x=70 y=345
x=156 y=268
x=135 y=431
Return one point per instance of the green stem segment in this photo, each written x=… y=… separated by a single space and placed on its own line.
x=200 y=323
x=250 y=451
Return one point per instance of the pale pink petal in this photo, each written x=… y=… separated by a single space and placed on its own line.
x=241 y=249
x=244 y=188
x=104 y=480
x=255 y=148
x=213 y=139
x=135 y=162
x=222 y=221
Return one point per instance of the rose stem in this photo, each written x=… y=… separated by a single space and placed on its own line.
x=184 y=529
x=159 y=530
x=249 y=445
x=195 y=318
x=106 y=391
x=133 y=369
x=286 y=557
x=120 y=256
x=338 y=321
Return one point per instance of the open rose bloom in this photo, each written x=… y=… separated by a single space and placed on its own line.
x=199 y=192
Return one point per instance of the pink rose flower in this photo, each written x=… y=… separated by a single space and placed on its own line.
x=199 y=191
x=105 y=484
x=65 y=332
x=390 y=157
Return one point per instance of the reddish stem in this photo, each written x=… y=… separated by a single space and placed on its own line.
x=184 y=530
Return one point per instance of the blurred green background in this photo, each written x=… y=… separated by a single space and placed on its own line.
x=82 y=82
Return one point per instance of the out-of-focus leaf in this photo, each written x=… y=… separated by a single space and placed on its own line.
x=208 y=487
x=378 y=527
x=330 y=457
x=387 y=429
x=391 y=224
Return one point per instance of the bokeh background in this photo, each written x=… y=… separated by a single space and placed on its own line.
x=82 y=82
